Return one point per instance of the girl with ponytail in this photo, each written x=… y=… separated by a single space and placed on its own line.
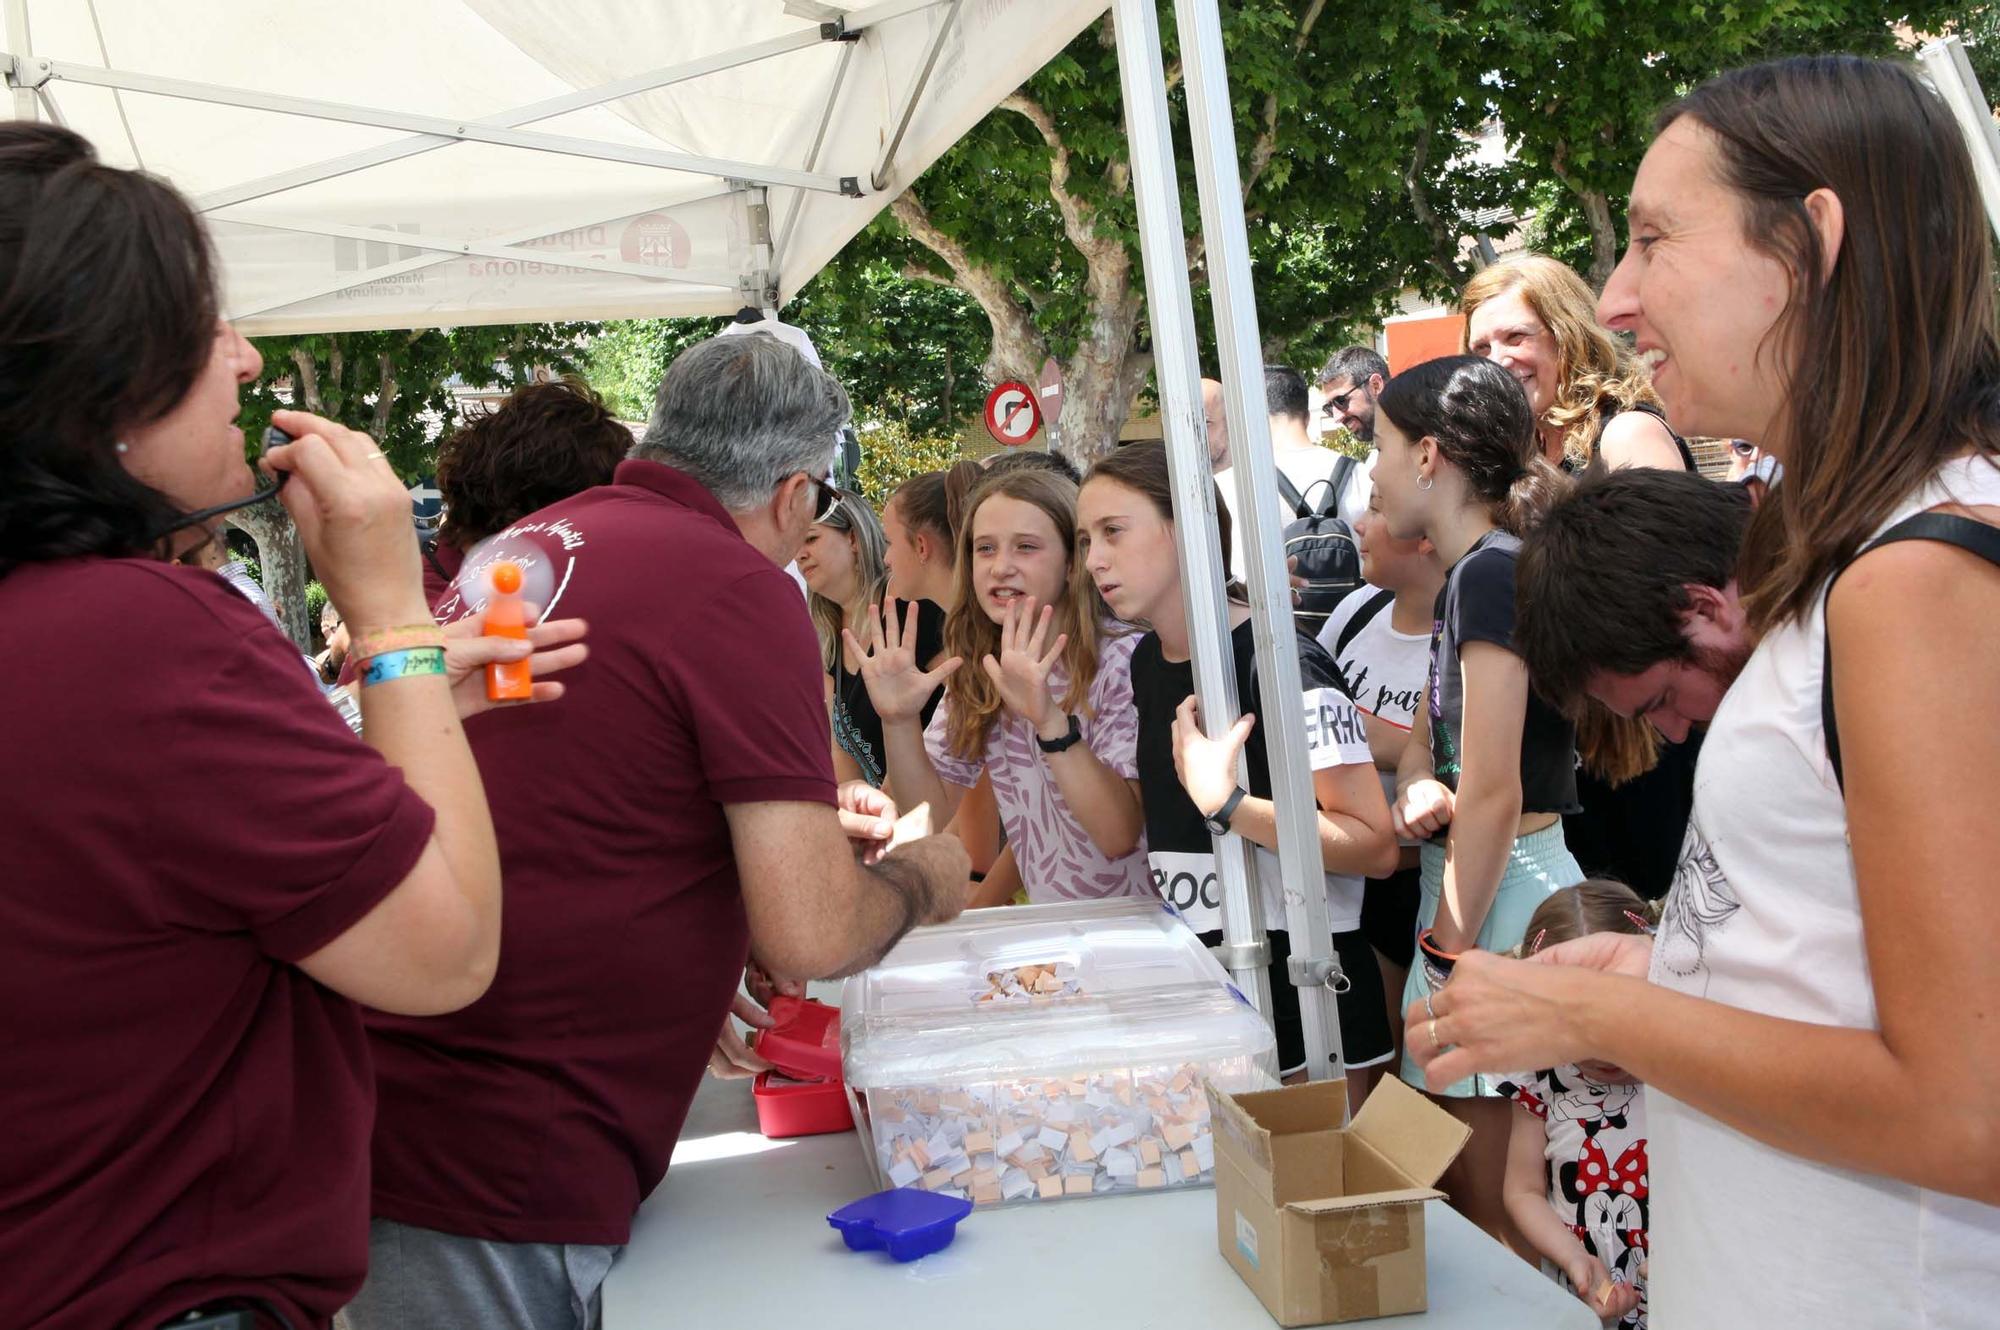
x=1490 y=768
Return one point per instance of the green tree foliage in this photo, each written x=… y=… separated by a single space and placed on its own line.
x=397 y=387
x=906 y=351
x=891 y=454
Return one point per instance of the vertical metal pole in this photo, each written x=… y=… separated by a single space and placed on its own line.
x=1951 y=74
x=1218 y=180
x=1177 y=368
x=19 y=45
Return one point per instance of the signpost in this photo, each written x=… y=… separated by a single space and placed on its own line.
x=1012 y=414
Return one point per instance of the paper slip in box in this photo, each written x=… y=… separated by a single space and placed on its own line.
x=1325 y=1222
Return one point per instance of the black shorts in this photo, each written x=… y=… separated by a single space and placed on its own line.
x=1364 y=1013
x=1389 y=914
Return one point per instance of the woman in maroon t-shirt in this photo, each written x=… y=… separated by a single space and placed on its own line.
x=205 y=870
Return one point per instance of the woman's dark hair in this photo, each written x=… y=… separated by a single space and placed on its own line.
x=1891 y=361
x=107 y=318
x=1480 y=417
x=546 y=442
x=1594 y=905
x=934 y=502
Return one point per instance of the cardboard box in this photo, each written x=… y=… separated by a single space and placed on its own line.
x=1325 y=1222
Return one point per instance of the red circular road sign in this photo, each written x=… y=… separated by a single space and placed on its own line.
x=1012 y=414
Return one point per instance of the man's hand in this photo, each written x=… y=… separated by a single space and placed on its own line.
x=868 y=816
x=733 y=1058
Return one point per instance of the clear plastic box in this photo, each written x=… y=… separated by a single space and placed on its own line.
x=1048 y=1051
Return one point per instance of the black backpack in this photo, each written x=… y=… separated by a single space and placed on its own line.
x=1329 y=560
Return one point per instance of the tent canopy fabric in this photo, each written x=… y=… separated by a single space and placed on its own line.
x=411 y=163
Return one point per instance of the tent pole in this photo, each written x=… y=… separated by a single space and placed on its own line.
x=1177 y=368
x=1951 y=74
x=1314 y=967
x=879 y=179
x=471 y=131
x=17 y=42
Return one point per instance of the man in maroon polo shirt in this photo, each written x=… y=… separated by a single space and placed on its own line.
x=678 y=818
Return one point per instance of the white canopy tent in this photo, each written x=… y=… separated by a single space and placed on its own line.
x=404 y=163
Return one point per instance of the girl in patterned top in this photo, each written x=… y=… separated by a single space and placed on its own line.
x=1045 y=709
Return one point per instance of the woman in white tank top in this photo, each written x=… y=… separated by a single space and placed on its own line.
x=1818 y=1021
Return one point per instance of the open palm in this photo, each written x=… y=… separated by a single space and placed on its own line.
x=897 y=683
x=1021 y=671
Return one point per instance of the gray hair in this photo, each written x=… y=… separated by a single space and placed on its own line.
x=1355 y=364
x=742 y=413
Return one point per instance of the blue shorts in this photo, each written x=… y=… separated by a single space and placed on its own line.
x=1538 y=866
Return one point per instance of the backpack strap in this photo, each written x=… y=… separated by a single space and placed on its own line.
x=1343 y=467
x=1290 y=493
x=1945 y=528
x=1370 y=607
x=1336 y=485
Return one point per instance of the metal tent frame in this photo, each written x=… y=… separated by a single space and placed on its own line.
x=34 y=82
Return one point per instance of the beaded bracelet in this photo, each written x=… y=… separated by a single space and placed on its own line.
x=373 y=642
x=406 y=663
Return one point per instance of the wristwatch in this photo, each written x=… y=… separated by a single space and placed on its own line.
x=1218 y=821
x=1064 y=744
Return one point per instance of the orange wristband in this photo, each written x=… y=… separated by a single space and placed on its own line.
x=376 y=641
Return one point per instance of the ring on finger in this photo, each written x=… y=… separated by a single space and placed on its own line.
x=1437 y=1044
x=1429 y=1010
x=371 y=457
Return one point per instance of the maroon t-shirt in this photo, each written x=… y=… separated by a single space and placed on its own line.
x=547 y=1110
x=184 y=1113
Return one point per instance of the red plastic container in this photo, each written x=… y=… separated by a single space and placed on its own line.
x=786 y=1107
x=804 y=1096
x=804 y=1042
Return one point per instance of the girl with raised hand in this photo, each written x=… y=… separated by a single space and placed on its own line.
x=1046 y=713
x=842 y=563
x=1490 y=768
x=1187 y=781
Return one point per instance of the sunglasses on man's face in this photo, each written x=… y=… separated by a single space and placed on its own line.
x=1337 y=402
x=826 y=496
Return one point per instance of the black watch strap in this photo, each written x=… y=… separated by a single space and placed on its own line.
x=1218 y=821
x=1068 y=741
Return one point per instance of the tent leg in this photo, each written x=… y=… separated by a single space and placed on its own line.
x=1212 y=128
x=1177 y=368
x=17 y=42
x=1951 y=74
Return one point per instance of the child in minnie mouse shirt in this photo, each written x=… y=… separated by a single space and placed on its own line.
x=1576 y=1181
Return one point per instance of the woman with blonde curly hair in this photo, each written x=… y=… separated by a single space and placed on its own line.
x=1593 y=399
x=1595 y=406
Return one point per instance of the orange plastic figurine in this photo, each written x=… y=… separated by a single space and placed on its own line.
x=507 y=616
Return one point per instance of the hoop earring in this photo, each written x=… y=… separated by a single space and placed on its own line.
x=1425 y=482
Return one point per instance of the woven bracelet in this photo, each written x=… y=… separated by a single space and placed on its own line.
x=403 y=664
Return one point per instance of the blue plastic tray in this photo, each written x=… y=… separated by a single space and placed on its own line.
x=902 y=1221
